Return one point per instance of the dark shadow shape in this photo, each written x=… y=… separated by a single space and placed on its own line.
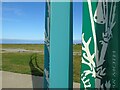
x=36 y=72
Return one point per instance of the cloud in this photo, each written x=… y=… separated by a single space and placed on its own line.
x=18 y=12
x=15 y=10
x=9 y=11
x=6 y=8
x=23 y=0
x=9 y=20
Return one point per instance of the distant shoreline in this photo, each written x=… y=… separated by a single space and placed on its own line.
x=12 y=41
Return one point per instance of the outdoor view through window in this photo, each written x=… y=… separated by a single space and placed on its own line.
x=23 y=43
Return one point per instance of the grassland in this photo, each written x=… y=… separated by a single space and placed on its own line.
x=25 y=46
x=33 y=63
x=0 y=58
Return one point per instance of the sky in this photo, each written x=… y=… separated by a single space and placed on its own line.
x=26 y=20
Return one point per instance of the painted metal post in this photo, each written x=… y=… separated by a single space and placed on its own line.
x=47 y=46
x=61 y=68
x=100 y=47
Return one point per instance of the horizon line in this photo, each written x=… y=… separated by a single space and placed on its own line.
x=33 y=39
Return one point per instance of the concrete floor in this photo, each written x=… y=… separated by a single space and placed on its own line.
x=15 y=80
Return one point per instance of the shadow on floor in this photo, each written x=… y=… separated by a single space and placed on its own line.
x=36 y=71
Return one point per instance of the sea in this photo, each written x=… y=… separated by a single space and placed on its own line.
x=17 y=41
